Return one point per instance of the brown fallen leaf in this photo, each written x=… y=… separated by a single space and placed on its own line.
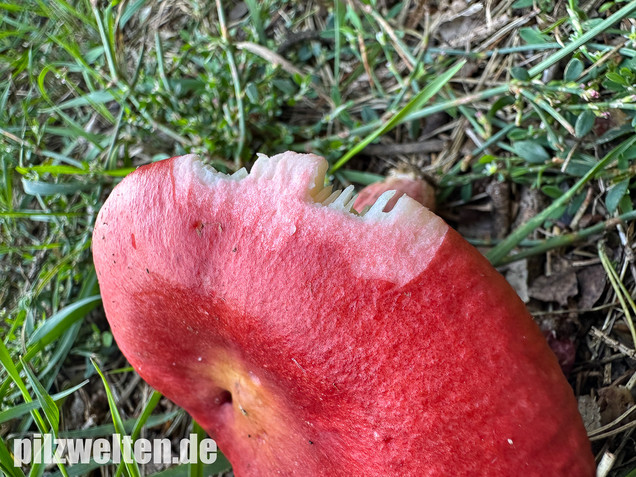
x=591 y=285
x=559 y=286
x=614 y=401
x=517 y=275
x=590 y=412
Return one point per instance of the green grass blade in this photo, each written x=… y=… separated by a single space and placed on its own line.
x=129 y=425
x=58 y=323
x=139 y=424
x=583 y=39
x=255 y=15
x=129 y=11
x=236 y=81
x=6 y=462
x=14 y=374
x=51 y=412
x=20 y=410
x=131 y=467
x=72 y=170
x=619 y=289
x=220 y=466
x=107 y=41
x=47 y=188
x=195 y=469
x=566 y=239
x=92 y=99
x=50 y=409
x=77 y=470
x=150 y=406
x=360 y=177
x=499 y=252
x=414 y=104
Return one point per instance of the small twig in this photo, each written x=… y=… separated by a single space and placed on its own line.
x=276 y=59
x=629 y=253
x=568 y=158
x=612 y=343
x=579 y=213
x=606 y=464
x=618 y=430
x=606 y=56
x=365 y=60
x=400 y=48
x=608 y=426
x=583 y=39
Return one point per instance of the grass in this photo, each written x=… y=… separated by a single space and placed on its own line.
x=90 y=91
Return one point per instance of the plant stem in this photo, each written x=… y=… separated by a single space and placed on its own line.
x=565 y=239
x=497 y=254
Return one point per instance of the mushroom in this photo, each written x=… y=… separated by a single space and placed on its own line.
x=403 y=183
x=309 y=340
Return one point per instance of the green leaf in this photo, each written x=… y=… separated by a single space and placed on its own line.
x=522 y=4
x=615 y=194
x=626 y=205
x=584 y=123
x=519 y=73
x=606 y=6
x=499 y=104
x=531 y=151
x=573 y=70
x=616 y=78
x=533 y=36
x=552 y=191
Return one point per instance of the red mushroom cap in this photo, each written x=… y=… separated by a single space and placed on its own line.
x=309 y=341
x=404 y=184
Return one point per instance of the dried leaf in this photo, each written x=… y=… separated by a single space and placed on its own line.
x=559 y=286
x=614 y=401
x=591 y=285
x=590 y=412
x=517 y=277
